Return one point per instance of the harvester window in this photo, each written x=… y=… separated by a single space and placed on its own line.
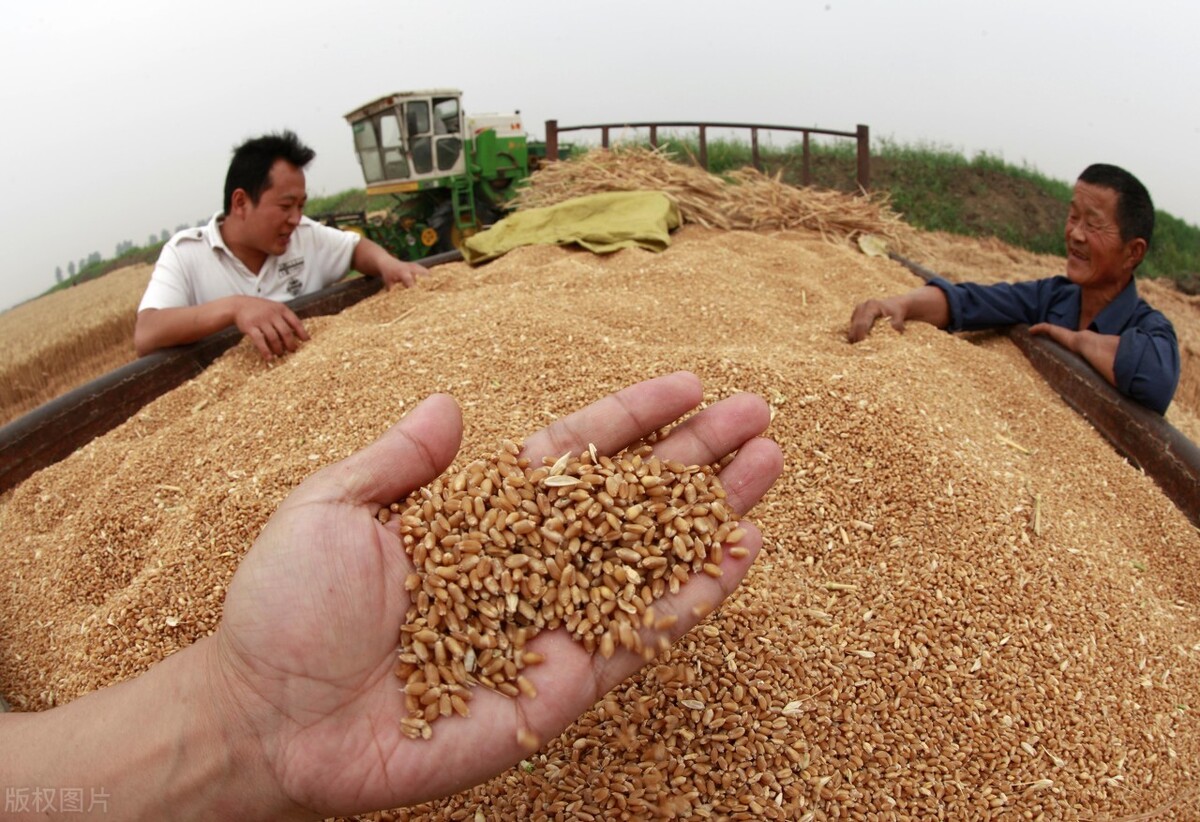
x=368 y=151
x=422 y=154
x=445 y=115
x=448 y=151
x=418 y=117
x=447 y=120
x=419 y=143
x=395 y=165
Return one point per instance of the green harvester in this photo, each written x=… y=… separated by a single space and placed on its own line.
x=449 y=174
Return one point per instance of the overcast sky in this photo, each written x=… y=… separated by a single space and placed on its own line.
x=119 y=116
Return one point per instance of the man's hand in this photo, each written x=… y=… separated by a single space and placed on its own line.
x=866 y=313
x=398 y=272
x=304 y=659
x=1063 y=336
x=271 y=326
x=1100 y=350
x=373 y=260
x=927 y=304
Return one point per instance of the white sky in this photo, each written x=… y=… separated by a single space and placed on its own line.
x=119 y=116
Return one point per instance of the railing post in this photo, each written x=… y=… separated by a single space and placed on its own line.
x=754 y=149
x=806 y=167
x=552 y=139
x=704 y=147
x=653 y=136
x=864 y=158
x=604 y=137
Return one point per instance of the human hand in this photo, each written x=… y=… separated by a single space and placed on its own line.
x=866 y=313
x=1063 y=336
x=398 y=272
x=303 y=662
x=272 y=327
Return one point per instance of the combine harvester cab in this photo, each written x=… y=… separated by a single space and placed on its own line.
x=449 y=174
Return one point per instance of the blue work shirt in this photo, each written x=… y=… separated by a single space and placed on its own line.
x=1147 y=362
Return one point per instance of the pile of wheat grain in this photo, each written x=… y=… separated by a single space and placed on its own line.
x=56 y=342
x=967 y=605
x=749 y=200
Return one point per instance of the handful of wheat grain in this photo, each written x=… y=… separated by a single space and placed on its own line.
x=504 y=550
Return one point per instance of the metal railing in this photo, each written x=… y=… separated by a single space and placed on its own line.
x=862 y=135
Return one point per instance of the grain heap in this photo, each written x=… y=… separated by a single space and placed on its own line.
x=54 y=343
x=967 y=605
x=504 y=551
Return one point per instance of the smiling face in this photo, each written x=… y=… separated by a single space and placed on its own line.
x=1097 y=257
x=267 y=225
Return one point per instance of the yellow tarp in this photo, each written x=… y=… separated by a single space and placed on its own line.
x=601 y=223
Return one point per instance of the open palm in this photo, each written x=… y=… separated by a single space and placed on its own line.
x=307 y=646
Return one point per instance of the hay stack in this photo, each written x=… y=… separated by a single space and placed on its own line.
x=749 y=200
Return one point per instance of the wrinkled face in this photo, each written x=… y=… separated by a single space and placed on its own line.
x=270 y=222
x=1096 y=255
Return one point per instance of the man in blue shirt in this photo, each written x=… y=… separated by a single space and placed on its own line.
x=1094 y=310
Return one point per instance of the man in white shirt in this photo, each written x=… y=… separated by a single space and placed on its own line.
x=261 y=251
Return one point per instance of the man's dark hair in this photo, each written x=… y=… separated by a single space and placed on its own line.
x=1135 y=210
x=250 y=168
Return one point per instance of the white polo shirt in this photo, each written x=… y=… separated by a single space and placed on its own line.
x=195 y=266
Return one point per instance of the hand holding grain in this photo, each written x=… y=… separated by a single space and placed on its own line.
x=274 y=328
x=866 y=313
x=927 y=304
x=306 y=655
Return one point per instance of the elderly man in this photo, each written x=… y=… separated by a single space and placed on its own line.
x=1094 y=310
x=261 y=251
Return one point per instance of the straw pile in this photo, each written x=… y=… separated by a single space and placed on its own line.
x=967 y=607
x=749 y=200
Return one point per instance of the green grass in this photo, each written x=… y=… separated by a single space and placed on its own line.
x=1175 y=248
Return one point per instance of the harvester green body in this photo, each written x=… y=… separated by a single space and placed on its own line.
x=449 y=174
